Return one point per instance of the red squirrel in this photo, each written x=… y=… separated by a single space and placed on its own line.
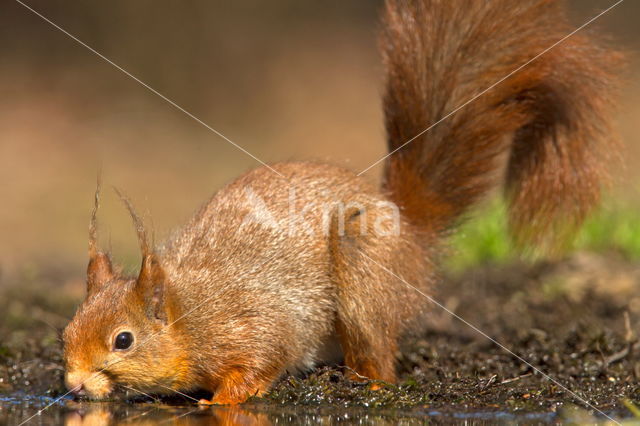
x=246 y=291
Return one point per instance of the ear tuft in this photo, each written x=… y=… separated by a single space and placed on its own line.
x=137 y=223
x=99 y=270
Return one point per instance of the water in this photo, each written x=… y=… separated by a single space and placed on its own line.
x=20 y=408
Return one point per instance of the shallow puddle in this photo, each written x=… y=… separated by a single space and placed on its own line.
x=19 y=409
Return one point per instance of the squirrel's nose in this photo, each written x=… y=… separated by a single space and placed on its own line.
x=75 y=384
x=79 y=390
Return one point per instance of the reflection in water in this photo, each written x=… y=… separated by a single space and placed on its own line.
x=71 y=413
x=14 y=410
x=153 y=414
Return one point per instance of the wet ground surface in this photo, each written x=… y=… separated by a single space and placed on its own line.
x=574 y=320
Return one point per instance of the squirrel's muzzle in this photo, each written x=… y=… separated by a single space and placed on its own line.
x=84 y=383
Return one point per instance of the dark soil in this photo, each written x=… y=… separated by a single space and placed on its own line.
x=573 y=321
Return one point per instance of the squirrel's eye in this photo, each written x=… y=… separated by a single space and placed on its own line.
x=123 y=341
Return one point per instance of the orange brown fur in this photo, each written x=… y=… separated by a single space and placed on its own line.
x=245 y=291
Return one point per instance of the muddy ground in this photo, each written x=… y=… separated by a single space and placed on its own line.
x=575 y=319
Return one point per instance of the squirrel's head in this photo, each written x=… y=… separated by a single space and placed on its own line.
x=124 y=332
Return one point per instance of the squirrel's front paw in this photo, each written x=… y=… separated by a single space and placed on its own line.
x=221 y=399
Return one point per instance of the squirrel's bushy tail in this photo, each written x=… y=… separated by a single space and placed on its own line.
x=544 y=130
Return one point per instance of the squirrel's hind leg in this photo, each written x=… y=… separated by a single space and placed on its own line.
x=366 y=316
x=369 y=356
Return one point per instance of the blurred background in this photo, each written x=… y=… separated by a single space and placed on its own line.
x=284 y=79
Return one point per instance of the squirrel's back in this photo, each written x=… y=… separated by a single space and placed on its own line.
x=264 y=243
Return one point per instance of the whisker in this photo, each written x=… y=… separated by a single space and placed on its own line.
x=178 y=392
x=140 y=392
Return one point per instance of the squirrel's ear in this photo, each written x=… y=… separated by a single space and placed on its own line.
x=99 y=270
x=151 y=287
